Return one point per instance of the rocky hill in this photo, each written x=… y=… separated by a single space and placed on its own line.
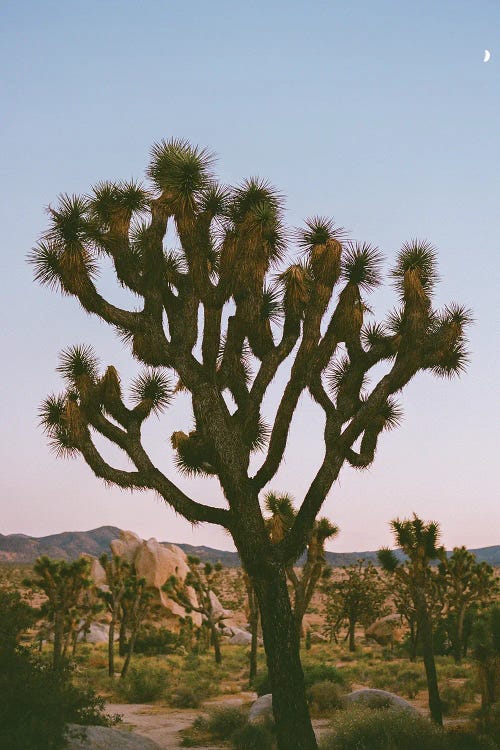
x=68 y=545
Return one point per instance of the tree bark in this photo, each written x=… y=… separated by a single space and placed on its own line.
x=122 y=640
x=58 y=640
x=425 y=631
x=111 y=647
x=352 y=633
x=282 y=644
x=216 y=643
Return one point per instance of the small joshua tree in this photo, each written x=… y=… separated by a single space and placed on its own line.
x=201 y=579
x=358 y=597
x=64 y=584
x=464 y=583
x=117 y=572
x=222 y=313
x=282 y=514
x=419 y=542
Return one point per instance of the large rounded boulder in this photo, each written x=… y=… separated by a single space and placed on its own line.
x=106 y=738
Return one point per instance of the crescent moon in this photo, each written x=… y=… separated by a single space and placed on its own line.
x=487 y=55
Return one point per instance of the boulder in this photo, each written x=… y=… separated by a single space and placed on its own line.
x=240 y=637
x=386 y=630
x=97 y=572
x=217 y=607
x=372 y=698
x=106 y=738
x=98 y=633
x=126 y=546
x=262 y=709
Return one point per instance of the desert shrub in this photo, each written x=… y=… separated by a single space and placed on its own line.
x=155 y=641
x=252 y=737
x=324 y=697
x=313 y=673
x=322 y=673
x=143 y=684
x=361 y=728
x=187 y=696
x=453 y=697
x=224 y=721
x=37 y=702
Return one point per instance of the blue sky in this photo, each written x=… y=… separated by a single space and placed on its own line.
x=382 y=115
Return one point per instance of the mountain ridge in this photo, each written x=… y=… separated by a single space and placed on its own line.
x=68 y=545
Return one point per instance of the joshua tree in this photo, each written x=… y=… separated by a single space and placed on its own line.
x=211 y=313
x=253 y=619
x=419 y=541
x=117 y=572
x=63 y=583
x=356 y=598
x=201 y=579
x=464 y=583
x=137 y=603
x=282 y=515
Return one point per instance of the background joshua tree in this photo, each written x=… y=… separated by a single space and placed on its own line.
x=201 y=579
x=464 y=583
x=304 y=582
x=229 y=241
x=137 y=603
x=117 y=572
x=357 y=598
x=64 y=584
x=419 y=541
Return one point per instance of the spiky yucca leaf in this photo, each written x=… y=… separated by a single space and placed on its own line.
x=68 y=222
x=51 y=411
x=214 y=200
x=154 y=386
x=272 y=304
x=261 y=437
x=337 y=372
x=392 y=414
x=394 y=322
x=420 y=257
x=373 y=334
x=325 y=529
x=44 y=258
x=181 y=170
x=387 y=559
x=317 y=231
x=279 y=504
x=362 y=265
x=76 y=361
x=191 y=458
x=252 y=194
x=453 y=363
x=457 y=314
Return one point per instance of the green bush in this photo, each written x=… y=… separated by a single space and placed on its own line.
x=144 y=684
x=223 y=721
x=364 y=729
x=252 y=737
x=37 y=702
x=453 y=697
x=312 y=674
x=187 y=696
x=324 y=697
x=155 y=641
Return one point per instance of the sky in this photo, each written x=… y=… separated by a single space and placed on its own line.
x=381 y=115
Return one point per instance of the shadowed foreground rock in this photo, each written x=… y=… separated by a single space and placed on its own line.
x=104 y=738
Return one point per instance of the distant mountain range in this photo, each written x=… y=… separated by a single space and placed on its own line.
x=69 y=545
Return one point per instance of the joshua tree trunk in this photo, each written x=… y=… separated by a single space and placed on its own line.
x=458 y=645
x=58 y=640
x=253 y=618
x=111 y=646
x=352 y=633
x=425 y=631
x=216 y=643
x=130 y=651
x=413 y=640
x=282 y=645
x=122 y=641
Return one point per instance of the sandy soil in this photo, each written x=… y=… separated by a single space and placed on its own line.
x=162 y=724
